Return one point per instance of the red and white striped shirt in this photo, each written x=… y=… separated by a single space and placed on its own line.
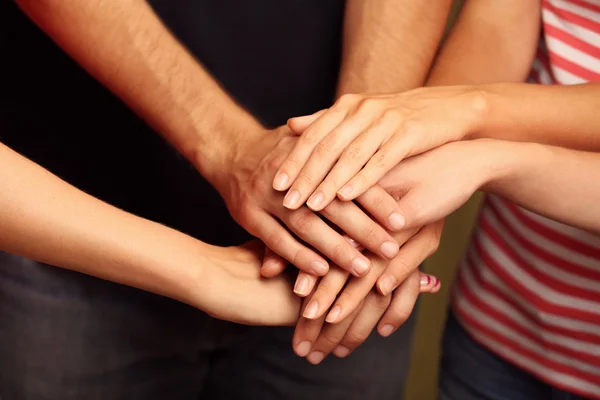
x=528 y=288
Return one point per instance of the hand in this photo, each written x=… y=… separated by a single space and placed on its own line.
x=436 y=183
x=239 y=294
x=246 y=187
x=315 y=339
x=348 y=148
x=417 y=245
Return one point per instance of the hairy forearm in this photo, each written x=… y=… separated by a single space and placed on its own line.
x=491 y=41
x=559 y=183
x=389 y=44
x=125 y=46
x=45 y=219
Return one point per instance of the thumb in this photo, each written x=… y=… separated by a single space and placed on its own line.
x=273 y=264
x=420 y=208
x=299 y=124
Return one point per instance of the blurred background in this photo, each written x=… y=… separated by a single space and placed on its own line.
x=431 y=316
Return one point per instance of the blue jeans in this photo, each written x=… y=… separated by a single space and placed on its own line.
x=471 y=372
x=68 y=336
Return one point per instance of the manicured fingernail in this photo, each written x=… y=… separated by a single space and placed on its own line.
x=345 y=192
x=360 y=266
x=387 y=330
x=437 y=282
x=291 y=199
x=341 y=351
x=319 y=268
x=303 y=348
x=315 y=200
x=388 y=284
x=301 y=286
x=280 y=181
x=425 y=280
x=389 y=249
x=333 y=314
x=315 y=357
x=311 y=310
x=397 y=221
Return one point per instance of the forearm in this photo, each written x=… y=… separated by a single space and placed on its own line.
x=125 y=46
x=491 y=42
x=564 y=116
x=559 y=183
x=45 y=219
x=389 y=44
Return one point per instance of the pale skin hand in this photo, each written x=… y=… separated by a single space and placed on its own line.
x=138 y=59
x=45 y=219
x=517 y=171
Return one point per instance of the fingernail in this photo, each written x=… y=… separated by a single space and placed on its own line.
x=301 y=286
x=389 y=249
x=386 y=330
x=303 y=348
x=345 y=192
x=333 y=314
x=315 y=357
x=425 y=280
x=319 y=268
x=388 y=284
x=341 y=351
x=280 y=181
x=311 y=310
x=437 y=282
x=291 y=199
x=315 y=200
x=360 y=266
x=397 y=221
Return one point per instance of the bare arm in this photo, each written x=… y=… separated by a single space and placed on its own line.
x=125 y=46
x=389 y=45
x=45 y=219
x=558 y=183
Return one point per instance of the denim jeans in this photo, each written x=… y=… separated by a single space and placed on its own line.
x=68 y=336
x=471 y=372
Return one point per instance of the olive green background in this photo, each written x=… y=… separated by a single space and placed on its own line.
x=423 y=376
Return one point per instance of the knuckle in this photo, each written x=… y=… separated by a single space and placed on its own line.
x=380 y=159
x=338 y=250
x=352 y=153
x=325 y=147
x=402 y=269
x=330 y=340
x=355 y=337
x=368 y=105
x=393 y=115
x=411 y=127
x=304 y=178
x=370 y=233
x=347 y=99
x=302 y=223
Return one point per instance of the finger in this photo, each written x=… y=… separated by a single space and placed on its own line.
x=360 y=227
x=305 y=283
x=356 y=154
x=383 y=207
x=386 y=158
x=323 y=158
x=273 y=264
x=329 y=338
x=325 y=294
x=314 y=231
x=357 y=289
x=411 y=255
x=429 y=283
x=374 y=307
x=402 y=305
x=299 y=124
x=293 y=163
x=283 y=243
x=306 y=333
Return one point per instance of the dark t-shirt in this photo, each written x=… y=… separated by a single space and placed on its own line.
x=279 y=58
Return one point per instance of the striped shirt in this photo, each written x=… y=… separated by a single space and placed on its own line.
x=528 y=288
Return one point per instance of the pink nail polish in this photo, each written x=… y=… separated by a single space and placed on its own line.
x=437 y=282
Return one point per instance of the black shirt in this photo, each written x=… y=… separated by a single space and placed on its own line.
x=278 y=58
